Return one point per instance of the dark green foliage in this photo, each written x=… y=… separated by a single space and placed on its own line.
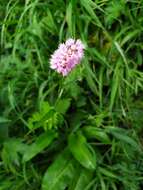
x=82 y=151
x=83 y=131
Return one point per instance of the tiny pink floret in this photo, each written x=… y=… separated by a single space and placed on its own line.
x=67 y=56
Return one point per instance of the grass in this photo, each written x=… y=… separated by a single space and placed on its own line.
x=83 y=131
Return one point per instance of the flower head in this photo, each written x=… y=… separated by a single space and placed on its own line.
x=67 y=56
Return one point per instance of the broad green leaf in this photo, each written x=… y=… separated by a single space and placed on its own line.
x=62 y=105
x=41 y=143
x=59 y=173
x=97 y=133
x=81 y=151
x=81 y=179
x=10 y=153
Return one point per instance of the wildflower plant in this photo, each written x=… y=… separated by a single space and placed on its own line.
x=67 y=56
x=83 y=131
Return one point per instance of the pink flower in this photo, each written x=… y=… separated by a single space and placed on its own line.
x=67 y=56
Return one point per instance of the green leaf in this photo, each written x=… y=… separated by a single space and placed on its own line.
x=139 y=58
x=41 y=143
x=3 y=131
x=69 y=18
x=90 y=77
x=4 y=120
x=81 y=151
x=113 y=11
x=60 y=173
x=62 y=105
x=102 y=182
x=106 y=172
x=38 y=118
x=121 y=135
x=87 y=5
x=46 y=118
x=115 y=84
x=10 y=152
x=81 y=179
x=49 y=22
x=99 y=57
x=121 y=52
x=129 y=36
x=97 y=133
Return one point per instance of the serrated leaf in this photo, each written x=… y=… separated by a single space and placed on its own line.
x=41 y=143
x=46 y=118
x=81 y=152
x=59 y=174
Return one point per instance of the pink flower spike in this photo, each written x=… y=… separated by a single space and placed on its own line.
x=67 y=56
